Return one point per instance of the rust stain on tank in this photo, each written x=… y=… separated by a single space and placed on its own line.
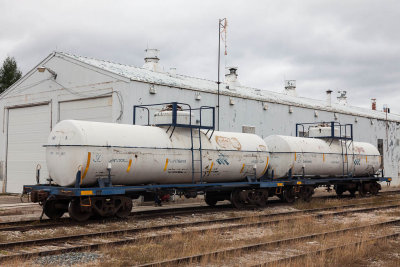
x=262 y=148
x=228 y=143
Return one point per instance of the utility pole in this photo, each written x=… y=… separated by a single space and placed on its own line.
x=222 y=24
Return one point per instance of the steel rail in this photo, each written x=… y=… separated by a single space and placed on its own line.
x=198 y=257
x=28 y=225
x=326 y=250
x=62 y=239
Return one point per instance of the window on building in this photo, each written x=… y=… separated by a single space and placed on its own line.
x=248 y=129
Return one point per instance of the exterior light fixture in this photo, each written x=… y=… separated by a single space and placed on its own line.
x=52 y=72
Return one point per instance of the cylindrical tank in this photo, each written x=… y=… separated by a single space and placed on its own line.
x=148 y=155
x=320 y=157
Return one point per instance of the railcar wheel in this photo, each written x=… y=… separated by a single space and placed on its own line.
x=236 y=199
x=281 y=197
x=75 y=211
x=374 y=188
x=306 y=193
x=289 y=195
x=261 y=198
x=51 y=210
x=210 y=201
x=339 y=190
x=125 y=210
x=352 y=192
x=362 y=190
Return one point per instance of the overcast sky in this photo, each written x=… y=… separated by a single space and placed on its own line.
x=337 y=45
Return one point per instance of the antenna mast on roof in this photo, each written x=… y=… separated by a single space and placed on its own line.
x=222 y=25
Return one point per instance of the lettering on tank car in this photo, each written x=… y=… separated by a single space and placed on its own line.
x=178 y=161
x=222 y=159
x=100 y=174
x=175 y=171
x=298 y=157
x=97 y=157
x=123 y=151
x=119 y=161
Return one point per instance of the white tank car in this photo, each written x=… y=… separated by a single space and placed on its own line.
x=320 y=157
x=147 y=154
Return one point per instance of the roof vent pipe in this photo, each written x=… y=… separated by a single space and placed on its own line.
x=151 y=60
x=172 y=71
x=231 y=77
x=329 y=98
x=386 y=109
x=342 y=98
x=290 y=87
x=373 y=103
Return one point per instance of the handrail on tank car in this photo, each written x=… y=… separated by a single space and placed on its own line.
x=342 y=129
x=174 y=123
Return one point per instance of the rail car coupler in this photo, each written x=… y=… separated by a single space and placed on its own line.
x=39 y=195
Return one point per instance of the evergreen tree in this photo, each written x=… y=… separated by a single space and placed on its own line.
x=9 y=73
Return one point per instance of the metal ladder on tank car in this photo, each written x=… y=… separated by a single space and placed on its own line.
x=344 y=147
x=197 y=155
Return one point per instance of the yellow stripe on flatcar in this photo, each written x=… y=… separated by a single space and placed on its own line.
x=212 y=164
x=129 y=165
x=166 y=164
x=266 y=166
x=86 y=193
x=323 y=157
x=87 y=166
x=241 y=170
x=295 y=156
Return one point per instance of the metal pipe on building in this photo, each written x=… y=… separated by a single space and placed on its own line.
x=220 y=26
x=342 y=98
x=373 y=103
x=329 y=98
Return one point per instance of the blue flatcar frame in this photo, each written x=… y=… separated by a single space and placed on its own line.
x=63 y=191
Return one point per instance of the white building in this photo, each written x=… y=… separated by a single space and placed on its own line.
x=64 y=86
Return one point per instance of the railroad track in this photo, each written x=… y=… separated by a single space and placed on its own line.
x=258 y=246
x=63 y=244
x=286 y=260
x=27 y=225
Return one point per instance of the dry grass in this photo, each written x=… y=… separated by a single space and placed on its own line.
x=181 y=245
x=318 y=203
x=149 y=251
x=379 y=253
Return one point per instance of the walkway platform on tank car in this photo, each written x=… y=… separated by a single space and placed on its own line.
x=77 y=191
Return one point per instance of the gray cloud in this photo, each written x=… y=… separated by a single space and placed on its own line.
x=339 y=45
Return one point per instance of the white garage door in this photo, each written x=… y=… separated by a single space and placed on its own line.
x=96 y=109
x=28 y=130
